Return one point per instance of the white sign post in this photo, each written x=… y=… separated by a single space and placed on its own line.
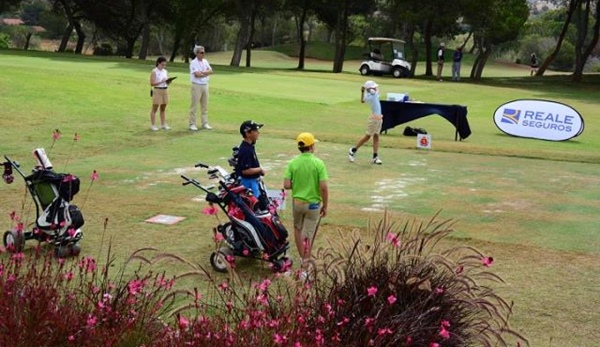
x=424 y=141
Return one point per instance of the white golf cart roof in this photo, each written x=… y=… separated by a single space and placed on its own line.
x=385 y=39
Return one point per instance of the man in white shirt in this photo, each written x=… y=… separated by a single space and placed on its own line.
x=440 y=61
x=200 y=71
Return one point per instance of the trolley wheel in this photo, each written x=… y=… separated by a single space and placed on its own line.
x=14 y=241
x=218 y=259
x=282 y=264
x=62 y=251
x=75 y=249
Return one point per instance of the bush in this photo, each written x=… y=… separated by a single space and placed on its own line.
x=4 y=40
x=104 y=49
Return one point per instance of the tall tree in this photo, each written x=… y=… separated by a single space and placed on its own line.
x=586 y=11
x=493 y=22
x=571 y=5
x=74 y=15
x=6 y=5
x=335 y=14
x=122 y=21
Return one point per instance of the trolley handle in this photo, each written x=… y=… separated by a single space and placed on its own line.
x=202 y=165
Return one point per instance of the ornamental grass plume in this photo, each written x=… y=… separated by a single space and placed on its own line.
x=399 y=287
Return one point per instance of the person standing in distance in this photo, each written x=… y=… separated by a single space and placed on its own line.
x=200 y=71
x=369 y=93
x=456 y=61
x=306 y=175
x=440 y=60
x=159 y=80
x=248 y=167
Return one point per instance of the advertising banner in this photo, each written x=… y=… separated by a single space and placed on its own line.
x=539 y=119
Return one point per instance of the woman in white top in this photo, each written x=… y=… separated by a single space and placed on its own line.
x=159 y=80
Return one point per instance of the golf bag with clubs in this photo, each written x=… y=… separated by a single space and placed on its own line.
x=58 y=221
x=251 y=230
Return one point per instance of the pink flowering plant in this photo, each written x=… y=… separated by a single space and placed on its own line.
x=392 y=286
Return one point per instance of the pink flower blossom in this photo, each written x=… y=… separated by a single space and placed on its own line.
x=13 y=216
x=224 y=286
x=391 y=299
x=371 y=291
x=134 y=287
x=445 y=323
x=280 y=339
x=56 y=134
x=20 y=227
x=182 y=322
x=94 y=176
x=71 y=232
x=264 y=285
x=246 y=252
x=71 y=338
x=68 y=276
x=444 y=334
x=409 y=340
x=393 y=239
x=69 y=178
x=487 y=261
x=384 y=331
x=439 y=290
x=210 y=210
x=219 y=237
x=434 y=344
x=459 y=269
x=76 y=137
x=91 y=321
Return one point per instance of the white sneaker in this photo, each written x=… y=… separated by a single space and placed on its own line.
x=166 y=127
x=351 y=155
x=207 y=127
x=377 y=161
x=154 y=128
x=193 y=127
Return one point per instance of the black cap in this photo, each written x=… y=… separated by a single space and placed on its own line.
x=249 y=125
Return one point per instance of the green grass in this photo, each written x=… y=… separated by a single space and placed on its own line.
x=532 y=204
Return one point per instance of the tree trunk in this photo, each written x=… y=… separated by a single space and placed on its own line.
x=300 y=29
x=27 y=40
x=65 y=38
x=427 y=37
x=250 y=44
x=549 y=59
x=482 y=57
x=340 y=40
x=145 y=41
x=583 y=51
x=80 y=37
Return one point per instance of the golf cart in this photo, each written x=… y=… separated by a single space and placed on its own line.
x=386 y=56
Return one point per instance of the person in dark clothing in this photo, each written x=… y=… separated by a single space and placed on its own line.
x=456 y=61
x=248 y=167
x=534 y=64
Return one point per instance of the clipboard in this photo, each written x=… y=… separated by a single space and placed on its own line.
x=170 y=79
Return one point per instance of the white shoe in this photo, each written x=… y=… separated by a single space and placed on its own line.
x=207 y=127
x=377 y=161
x=166 y=127
x=193 y=127
x=154 y=128
x=351 y=156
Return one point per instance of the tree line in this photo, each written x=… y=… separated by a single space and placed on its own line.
x=422 y=24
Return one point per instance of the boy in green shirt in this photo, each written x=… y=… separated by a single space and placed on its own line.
x=306 y=175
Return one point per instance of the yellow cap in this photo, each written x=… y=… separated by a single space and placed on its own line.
x=305 y=140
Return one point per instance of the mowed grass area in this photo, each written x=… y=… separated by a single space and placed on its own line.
x=532 y=205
